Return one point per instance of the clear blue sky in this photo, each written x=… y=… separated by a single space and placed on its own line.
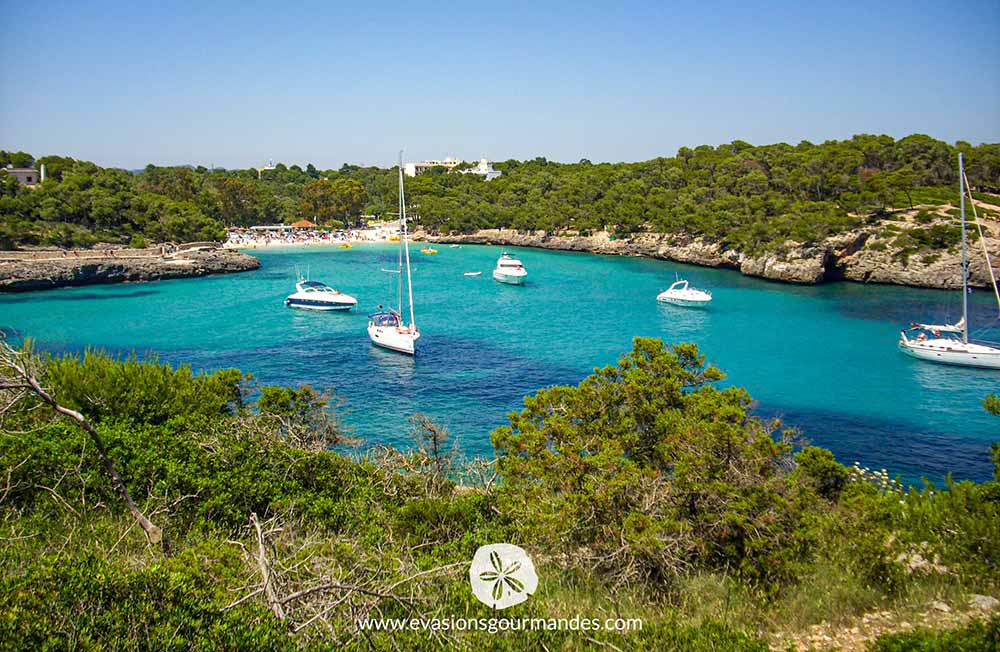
x=236 y=84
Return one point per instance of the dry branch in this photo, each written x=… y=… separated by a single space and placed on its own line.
x=16 y=369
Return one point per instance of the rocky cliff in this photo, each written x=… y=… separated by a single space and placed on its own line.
x=97 y=267
x=854 y=256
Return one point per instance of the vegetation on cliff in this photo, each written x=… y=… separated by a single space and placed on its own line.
x=752 y=198
x=644 y=492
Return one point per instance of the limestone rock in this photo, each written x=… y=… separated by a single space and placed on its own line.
x=92 y=267
x=983 y=602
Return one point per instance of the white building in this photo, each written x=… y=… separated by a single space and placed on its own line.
x=413 y=169
x=485 y=169
x=27 y=176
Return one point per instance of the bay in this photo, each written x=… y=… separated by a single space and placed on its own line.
x=823 y=358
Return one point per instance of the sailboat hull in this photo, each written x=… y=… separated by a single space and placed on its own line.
x=393 y=338
x=953 y=353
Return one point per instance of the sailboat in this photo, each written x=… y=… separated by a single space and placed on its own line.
x=950 y=343
x=387 y=328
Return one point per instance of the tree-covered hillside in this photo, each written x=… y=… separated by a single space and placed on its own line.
x=750 y=197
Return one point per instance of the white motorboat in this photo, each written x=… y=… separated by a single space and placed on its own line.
x=387 y=328
x=680 y=294
x=509 y=270
x=313 y=295
x=473 y=274
x=950 y=343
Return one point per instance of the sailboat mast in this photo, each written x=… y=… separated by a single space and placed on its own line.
x=406 y=243
x=399 y=220
x=965 y=261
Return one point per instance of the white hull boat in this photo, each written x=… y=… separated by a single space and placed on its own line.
x=950 y=343
x=509 y=270
x=947 y=350
x=473 y=274
x=313 y=295
x=680 y=294
x=386 y=328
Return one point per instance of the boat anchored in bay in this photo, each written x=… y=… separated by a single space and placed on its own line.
x=950 y=343
x=387 y=328
x=509 y=270
x=681 y=294
x=313 y=295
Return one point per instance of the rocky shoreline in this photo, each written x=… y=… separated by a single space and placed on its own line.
x=845 y=257
x=30 y=271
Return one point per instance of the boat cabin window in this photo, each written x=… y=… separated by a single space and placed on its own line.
x=386 y=319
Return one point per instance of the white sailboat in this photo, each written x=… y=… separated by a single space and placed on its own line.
x=387 y=328
x=949 y=343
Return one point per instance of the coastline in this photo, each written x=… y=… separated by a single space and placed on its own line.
x=848 y=256
x=27 y=271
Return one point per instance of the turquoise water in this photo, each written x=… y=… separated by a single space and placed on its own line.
x=824 y=358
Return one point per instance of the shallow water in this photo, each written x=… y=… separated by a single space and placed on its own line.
x=823 y=357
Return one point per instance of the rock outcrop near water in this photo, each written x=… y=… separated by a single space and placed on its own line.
x=26 y=271
x=860 y=256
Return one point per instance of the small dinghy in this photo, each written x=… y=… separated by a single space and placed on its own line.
x=473 y=274
x=679 y=294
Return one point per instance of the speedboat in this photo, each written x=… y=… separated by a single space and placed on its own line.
x=313 y=295
x=679 y=294
x=386 y=329
x=509 y=270
x=456 y=246
x=472 y=274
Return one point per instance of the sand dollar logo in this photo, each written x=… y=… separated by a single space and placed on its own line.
x=502 y=575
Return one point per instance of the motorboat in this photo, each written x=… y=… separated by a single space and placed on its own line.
x=473 y=274
x=681 y=294
x=313 y=295
x=428 y=250
x=509 y=270
x=387 y=328
x=950 y=343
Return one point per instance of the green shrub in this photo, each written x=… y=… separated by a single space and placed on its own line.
x=144 y=391
x=94 y=604
x=651 y=470
x=823 y=470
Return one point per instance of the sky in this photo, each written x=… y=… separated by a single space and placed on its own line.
x=236 y=84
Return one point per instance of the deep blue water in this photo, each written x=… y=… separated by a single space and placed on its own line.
x=823 y=357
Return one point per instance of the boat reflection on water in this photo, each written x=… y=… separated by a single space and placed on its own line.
x=391 y=366
x=950 y=378
x=682 y=325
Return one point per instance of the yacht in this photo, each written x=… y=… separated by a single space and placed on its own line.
x=509 y=270
x=387 y=328
x=681 y=294
x=950 y=343
x=313 y=295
